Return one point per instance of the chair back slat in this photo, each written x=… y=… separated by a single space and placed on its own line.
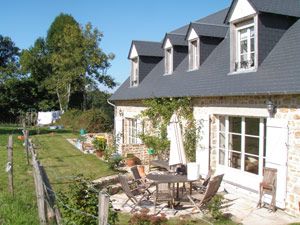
x=269 y=175
x=135 y=173
x=125 y=186
x=212 y=189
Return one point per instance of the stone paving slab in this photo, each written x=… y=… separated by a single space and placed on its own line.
x=242 y=209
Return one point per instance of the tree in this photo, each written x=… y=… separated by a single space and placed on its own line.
x=68 y=60
x=9 y=55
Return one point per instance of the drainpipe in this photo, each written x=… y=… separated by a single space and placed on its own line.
x=114 y=115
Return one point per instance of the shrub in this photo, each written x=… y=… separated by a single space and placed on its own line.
x=214 y=207
x=82 y=197
x=100 y=143
x=93 y=120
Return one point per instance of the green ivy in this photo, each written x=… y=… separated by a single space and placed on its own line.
x=159 y=112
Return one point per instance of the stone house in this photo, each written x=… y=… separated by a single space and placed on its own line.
x=241 y=68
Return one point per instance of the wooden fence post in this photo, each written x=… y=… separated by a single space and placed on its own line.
x=26 y=137
x=103 y=207
x=39 y=191
x=9 y=165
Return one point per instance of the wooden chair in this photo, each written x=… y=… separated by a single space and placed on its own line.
x=132 y=193
x=202 y=187
x=200 y=200
x=268 y=186
x=140 y=181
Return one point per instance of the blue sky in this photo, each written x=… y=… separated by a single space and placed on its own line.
x=121 y=21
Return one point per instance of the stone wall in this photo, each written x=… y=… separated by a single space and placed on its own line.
x=139 y=150
x=288 y=107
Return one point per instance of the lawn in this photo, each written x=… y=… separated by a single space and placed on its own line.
x=63 y=161
x=20 y=209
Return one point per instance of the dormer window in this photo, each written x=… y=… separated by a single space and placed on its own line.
x=194 y=54
x=246 y=50
x=168 y=61
x=134 y=72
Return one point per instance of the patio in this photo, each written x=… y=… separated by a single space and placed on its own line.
x=241 y=207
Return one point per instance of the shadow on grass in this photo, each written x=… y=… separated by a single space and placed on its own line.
x=15 y=129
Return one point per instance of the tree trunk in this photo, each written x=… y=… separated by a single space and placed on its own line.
x=59 y=100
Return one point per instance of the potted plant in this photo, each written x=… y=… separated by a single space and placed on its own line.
x=100 y=145
x=131 y=160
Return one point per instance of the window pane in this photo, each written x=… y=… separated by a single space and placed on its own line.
x=222 y=123
x=252 y=32
x=243 y=34
x=221 y=157
x=235 y=124
x=252 y=44
x=251 y=164
x=244 y=46
x=252 y=145
x=234 y=142
x=252 y=126
x=234 y=160
x=222 y=140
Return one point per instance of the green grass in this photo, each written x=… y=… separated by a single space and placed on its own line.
x=20 y=209
x=62 y=161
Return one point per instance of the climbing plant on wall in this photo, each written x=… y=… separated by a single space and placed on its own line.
x=159 y=112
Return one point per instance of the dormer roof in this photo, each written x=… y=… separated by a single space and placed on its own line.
x=280 y=7
x=208 y=30
x=175 y=39
x=145 y=48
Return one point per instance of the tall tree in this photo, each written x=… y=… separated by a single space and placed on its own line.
x=9 y=55
x=76 y=58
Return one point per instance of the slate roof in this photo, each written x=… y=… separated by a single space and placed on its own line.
x=209 y=30
x=279 y=73
x=147 y=48
x=281 y=7
x=175 y=39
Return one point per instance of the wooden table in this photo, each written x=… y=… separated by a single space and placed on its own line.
x=170 y=179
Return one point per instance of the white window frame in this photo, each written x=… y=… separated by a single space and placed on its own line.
x=194 y=52
x=132 y=131
x=168 y=61
x=134 y=78
x=237 y=59
x=226 y=133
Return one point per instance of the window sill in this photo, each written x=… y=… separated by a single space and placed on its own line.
x=243 y=71
x=191 y=70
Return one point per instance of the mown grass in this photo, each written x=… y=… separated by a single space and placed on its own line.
x=20 y=209
x=63 y=162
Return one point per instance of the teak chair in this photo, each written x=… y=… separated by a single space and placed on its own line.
x=132 y=193
x=202 y=187
x=163 y=193
x=140 y=181
x=200 y=200
x=268 y=186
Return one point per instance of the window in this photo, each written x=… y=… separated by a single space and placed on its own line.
x=246 y=51
x=168 y=61
x=134 y=72
x=242 y=143
x=194 y=54
x=132 y=131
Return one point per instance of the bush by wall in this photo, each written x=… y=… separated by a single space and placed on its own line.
x=93 y=120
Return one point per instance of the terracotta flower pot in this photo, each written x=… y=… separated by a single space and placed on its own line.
x=130 y=162
x=99 y=153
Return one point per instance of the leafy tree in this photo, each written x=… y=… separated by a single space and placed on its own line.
x=9 y=55
x=69 y=59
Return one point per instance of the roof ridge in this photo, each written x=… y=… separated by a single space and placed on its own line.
x=212 y=24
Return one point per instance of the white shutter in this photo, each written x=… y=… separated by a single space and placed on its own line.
x=119 y=132
x=202 y=152
x=276 y=156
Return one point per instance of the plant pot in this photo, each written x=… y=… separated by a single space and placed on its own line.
x=130 y=162
x=99 y=153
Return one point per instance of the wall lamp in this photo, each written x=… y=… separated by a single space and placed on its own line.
x=121 y=113
x=271 y=107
